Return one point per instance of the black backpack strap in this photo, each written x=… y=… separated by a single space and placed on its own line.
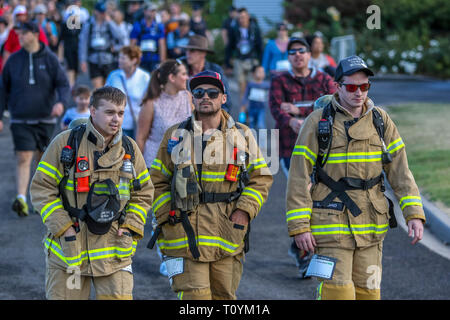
x=378 y=123
x=325 y=134
x=128 y=146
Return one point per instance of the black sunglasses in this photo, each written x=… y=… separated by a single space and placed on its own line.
x=200 y=93
x=302 y=50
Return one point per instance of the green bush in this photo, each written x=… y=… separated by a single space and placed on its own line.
x=414 y=34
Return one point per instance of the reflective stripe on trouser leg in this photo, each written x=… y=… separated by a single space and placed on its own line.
x=331 y=291
x=193 y=283
x=367 y=294
x=341 y=286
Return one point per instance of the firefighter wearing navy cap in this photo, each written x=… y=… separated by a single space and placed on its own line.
x=211 y=181
x=345 y=148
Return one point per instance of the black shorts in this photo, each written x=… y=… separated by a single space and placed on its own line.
x=31 y=137
x=100 y=70
x=71 y=59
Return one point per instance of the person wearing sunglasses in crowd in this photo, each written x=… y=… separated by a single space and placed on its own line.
x=345 y=216
x=291 y=97
x=207 y=196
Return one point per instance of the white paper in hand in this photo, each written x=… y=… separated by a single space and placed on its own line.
x=321 y=267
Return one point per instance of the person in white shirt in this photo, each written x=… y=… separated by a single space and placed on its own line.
x=133 y=81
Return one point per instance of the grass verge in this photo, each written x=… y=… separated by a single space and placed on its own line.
x=425 y=129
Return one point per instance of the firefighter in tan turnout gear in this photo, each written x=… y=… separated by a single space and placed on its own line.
x=93 y=191
x=210 y=181
x=346 y=148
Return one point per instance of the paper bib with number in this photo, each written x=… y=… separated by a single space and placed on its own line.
x=174 y=266
x=148 y=45
x=321 y=267
x=257 y=94
x=98 y=42
x=282 y=65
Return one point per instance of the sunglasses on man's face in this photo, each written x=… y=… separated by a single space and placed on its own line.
x=353 y=87
x=200 y=93
x=294 y=51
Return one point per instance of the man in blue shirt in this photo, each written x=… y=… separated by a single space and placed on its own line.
x=150 y=37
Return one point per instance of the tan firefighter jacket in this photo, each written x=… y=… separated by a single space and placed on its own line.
x=95 y=255
x=358 y=158
x=217 y=236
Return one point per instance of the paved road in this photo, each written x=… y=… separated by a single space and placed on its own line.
x=409 y=272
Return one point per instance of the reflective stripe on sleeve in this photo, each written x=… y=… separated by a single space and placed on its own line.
x=135 y=208
x=395 y=145
x=257 y=164
x=49 y=208
x=410 y=201
x=158 y=165
x=255 y=194
x=162 y=199
x=298 y=214
x=49 y=170
x=306 y=152
x=143 y=177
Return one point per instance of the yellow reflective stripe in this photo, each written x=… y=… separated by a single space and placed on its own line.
x=49 y=208
x=217 y=242
x=56 y=249
x=294 y=214
x=49 y=170
x=257 y=164
x=410 y=201
x=354 y=157
x=180 y=295
x=112 y=252
x=395 y=145
x=306 y=152
x=369 y=228
x=330 y=229
x=135 y=208
x=214 y=176
x=162 y=199
x=208 y=241
x=90 y=254
x=146 y=176
x=319 y=291
x=254 y=194
x=158 y=165
x=69 y=186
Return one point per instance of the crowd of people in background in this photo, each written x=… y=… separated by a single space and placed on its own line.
x=149 y=52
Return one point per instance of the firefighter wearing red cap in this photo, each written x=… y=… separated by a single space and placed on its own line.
x=211 y=181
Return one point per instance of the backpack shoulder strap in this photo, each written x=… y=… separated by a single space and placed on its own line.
x=128 y=146
x=325 y=133
x=378 y=122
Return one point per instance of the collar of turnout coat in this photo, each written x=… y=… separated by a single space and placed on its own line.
x=115 y=152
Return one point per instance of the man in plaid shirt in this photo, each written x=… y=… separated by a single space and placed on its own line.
x=291 y=97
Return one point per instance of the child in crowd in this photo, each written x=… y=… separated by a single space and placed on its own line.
x=255 y=97
x=81 y=95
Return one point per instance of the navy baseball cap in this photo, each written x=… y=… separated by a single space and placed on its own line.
x=302 y=41
x=100 y=7
x=27 y=26
x=207 y=77
x=349 y=66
